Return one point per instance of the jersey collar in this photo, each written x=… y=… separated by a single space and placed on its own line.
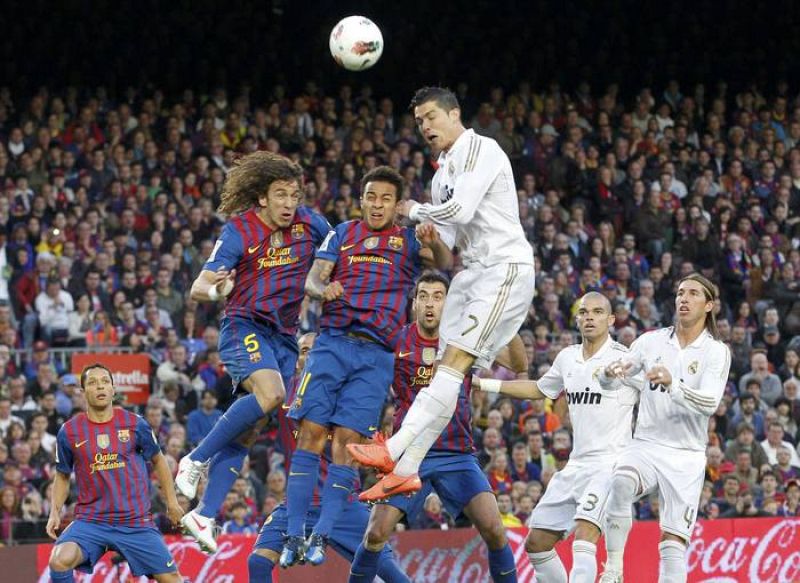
x=697 y=343
x=462 y=139
x=603 y=349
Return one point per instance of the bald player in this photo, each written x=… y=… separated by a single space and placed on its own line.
x=601 y=419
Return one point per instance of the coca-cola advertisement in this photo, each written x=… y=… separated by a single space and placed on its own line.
x=755 y=550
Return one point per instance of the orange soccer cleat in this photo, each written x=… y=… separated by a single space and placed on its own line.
x=374 y=455
x=390 y=485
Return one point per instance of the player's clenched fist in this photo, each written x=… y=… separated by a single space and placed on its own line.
x=53 y=524
x=332 y=291
x=427 y=233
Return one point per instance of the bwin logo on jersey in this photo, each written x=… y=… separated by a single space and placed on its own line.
x=448 y=193
x=584 y=397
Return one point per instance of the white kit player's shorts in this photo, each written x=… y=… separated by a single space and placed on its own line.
x=678 y=474
x=579 y=491
x=485 y=308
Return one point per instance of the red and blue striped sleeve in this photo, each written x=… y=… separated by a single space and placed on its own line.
x=228 y=250
x=64 y=457
x=329 y=248
x=320 y=227
x=146 y=442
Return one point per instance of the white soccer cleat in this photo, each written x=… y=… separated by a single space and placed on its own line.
x=189 y=473
x=611 y=576
x=201 y=529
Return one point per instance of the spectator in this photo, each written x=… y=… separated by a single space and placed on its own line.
x=521 y=468
x=506 y=511
x=775 y=440
x=200 y=421
x=785 y=468
x=744 y=507
x=9 y=511
x=745 y=441
x=791 y=507
x=433 y=515
x=238 y=523
x=759 y=369
x=499 y=477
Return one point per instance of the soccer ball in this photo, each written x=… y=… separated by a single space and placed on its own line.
x=356 y=43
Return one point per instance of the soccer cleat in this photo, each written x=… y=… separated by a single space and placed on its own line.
x=189 y=472
x=201 y=529
x=315 y=549
x=293 y=552
x=391 y=485
x=611 y=576
x=374 y=455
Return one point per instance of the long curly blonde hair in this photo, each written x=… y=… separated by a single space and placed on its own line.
x=251 y=177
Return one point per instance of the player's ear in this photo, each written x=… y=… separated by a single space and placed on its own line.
x=454 y=114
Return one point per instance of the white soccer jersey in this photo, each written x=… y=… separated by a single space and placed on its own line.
x=678 y=416
x=601 y=419
x=475 y=203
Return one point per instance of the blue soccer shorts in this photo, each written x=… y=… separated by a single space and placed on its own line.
x=143 y=547
x=455 y=477
x=344 y=383
x=247 y=346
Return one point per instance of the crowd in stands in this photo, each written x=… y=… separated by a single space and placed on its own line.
x=107 y=214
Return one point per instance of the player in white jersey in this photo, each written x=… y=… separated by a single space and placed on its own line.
x=475 y=208
x=601 y=419
x=687 y=369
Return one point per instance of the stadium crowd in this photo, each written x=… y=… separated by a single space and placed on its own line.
x=107 y=214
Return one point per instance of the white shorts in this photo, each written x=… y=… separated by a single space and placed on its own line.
x=579 y=491
x=678 y=475
x=485 y=308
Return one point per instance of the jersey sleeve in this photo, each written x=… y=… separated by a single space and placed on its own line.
x=64 y=457
x=146 y=442
x=329 y=248
x=705 y=399
x=480 y=167
x=552 y=382
x=320 y=227
x=228 y=250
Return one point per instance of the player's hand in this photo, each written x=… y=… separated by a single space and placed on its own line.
x=332 y=291
x=427 y=234
x=659 y=374
x=53 y=524
x=174 y=513
x=404 y=207
x=618 y=369
x=223 y=281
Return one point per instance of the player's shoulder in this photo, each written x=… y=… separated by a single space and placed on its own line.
x=617 y=347
x=658 y=335
x=127 y=416
x=348 y=226
x=568 y=354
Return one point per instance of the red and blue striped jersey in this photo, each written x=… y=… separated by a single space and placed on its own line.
x=413 y=371
x=271 y=266
x=109 y=461
x=377 y=270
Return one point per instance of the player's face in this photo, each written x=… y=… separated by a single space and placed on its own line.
x=378 y=204
x=440 y=128
x=593 y=318
x=691 y=304
x=99 y=388
x=304 y=345
x=280 y=203
x=428 y=304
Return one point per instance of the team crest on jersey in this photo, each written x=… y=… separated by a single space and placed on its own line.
x=596 y=372
x=371 y=243
x=255 y=357
x=396 y=242
x=124 y=435
x=298 y=231
x=276 y=239
x=693 y=367
x=103 y=440
x=428 y=355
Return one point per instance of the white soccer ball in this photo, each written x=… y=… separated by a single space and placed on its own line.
x=356 y=43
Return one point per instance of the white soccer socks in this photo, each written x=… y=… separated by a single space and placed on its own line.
x=584 y=562
x=672 y=566
x=548 y=567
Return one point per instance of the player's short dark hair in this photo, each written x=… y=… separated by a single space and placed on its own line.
x=96 y=365
x=443 y=97
x=431 y=276
x=384 y=174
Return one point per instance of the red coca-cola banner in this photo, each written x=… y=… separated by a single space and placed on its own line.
x=758 y=550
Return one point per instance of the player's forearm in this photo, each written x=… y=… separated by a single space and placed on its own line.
x=164 y=477
x=515 y=389
x=442 y=256
x=450 y=213
x=695 y=401
x=202 y=286
x=318 y=278
x=59 y=494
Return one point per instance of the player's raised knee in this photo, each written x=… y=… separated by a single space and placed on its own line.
x=377 y=535
x=65 y=556
x=494 y=534
x=535 y=544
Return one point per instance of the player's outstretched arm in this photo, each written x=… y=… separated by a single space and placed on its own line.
x=211 y=286
x=57 y=499
x=516 y=389
x=711 y=388
x=318 y=284
x=434 y=253
x=164 y=477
